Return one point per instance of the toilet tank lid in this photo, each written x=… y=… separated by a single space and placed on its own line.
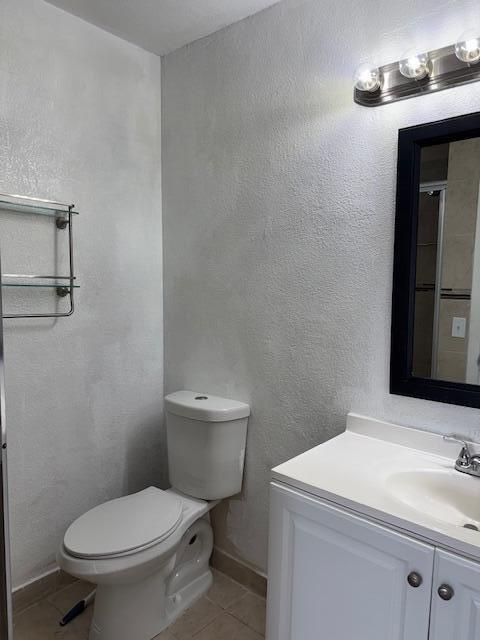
x=205 y=407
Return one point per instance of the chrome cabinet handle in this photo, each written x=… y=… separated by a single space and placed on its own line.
x=445 y=592
x=414 y=579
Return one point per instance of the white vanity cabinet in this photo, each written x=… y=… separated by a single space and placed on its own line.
x=336 y=576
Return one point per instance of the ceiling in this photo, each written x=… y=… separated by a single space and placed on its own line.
x=161 y=26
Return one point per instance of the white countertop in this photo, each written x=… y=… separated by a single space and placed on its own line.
x=384 y=471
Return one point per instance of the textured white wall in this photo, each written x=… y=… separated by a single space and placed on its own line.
x=80 y=121
x=278 y=226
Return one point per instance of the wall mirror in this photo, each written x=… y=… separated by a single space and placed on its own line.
x=435 y=351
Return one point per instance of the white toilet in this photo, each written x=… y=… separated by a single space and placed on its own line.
x=148 y=553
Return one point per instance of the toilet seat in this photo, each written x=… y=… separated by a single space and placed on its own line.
x=124 y=526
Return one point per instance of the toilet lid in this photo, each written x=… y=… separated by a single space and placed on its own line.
x=125 y=524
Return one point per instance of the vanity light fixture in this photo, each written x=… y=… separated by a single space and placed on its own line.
x=467 y=47
x=419 y=73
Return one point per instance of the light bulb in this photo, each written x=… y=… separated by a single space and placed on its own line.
x=467 y=47
x=414 y=65
x=367 y=78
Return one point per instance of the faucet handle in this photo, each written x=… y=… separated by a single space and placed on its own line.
x=465 y=455
x=453 y=438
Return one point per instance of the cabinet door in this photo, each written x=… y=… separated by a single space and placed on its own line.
x=335 y=576
x=459 y=617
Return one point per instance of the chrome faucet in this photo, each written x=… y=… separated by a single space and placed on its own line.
x=466 y=462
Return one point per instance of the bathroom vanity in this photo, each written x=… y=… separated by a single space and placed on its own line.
x=368 y=540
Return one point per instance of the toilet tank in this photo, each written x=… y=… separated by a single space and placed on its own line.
x=206 y=437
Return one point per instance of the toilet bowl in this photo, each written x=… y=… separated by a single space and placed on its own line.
x=145 y=576
x=148 y=553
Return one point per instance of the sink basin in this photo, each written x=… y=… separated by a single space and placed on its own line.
x=446 y=495
x=404 y=478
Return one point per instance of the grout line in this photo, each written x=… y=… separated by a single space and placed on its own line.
x=216 y=618
x=229 y=604
x=60 y=613
x=57 y=591
x=237 y=616
x=244 y=624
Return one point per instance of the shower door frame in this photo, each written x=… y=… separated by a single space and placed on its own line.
x=6 y=612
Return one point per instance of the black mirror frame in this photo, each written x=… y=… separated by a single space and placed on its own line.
x=410 y=143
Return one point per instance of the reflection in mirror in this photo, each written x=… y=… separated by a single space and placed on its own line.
x=446 y=343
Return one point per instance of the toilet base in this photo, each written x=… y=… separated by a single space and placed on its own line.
x=141 y=610
x=148 y=621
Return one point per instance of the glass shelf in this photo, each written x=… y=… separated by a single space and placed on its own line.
x=30 y=280
x=62 y=285
x=34 y=206
x=49 y=285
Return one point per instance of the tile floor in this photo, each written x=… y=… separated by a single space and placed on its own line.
x=227 y=612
